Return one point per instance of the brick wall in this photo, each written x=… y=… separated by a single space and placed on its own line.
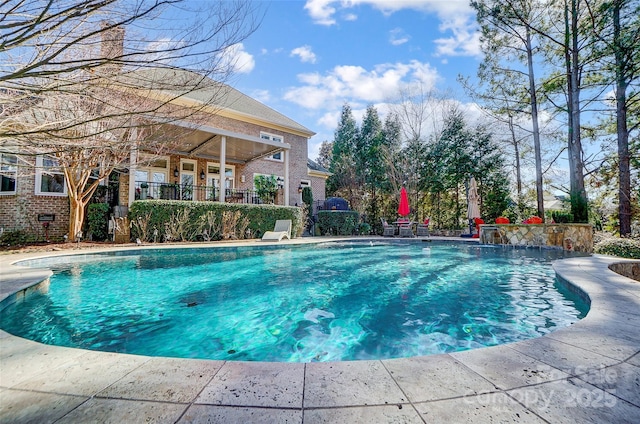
x=20 y=211
x=297 y=157
x=318 y=188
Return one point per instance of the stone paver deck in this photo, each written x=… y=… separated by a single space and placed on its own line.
x=588 y=372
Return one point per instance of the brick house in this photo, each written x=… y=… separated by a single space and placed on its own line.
x=239 y=134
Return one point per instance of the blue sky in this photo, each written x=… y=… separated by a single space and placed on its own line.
x=310 y=57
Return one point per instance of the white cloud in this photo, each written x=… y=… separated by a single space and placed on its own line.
x=357 y=85
x=456 y=17
x=465 y=40
x=240 y=60
x=397 y=36
x=321 y=11
x=304 y=53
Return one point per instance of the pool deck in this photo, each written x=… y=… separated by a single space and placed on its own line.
x=587 y=372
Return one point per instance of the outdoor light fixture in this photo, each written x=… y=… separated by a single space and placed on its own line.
x=202 y=175
x=176 y=172
x=280 y=181
x=300 y=188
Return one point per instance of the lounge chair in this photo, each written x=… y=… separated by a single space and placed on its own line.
x=280 y=230
x=387 y=229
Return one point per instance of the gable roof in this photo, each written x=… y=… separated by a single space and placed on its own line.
x=223 y=99
x=317 y=170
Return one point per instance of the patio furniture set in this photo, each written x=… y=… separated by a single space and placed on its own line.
x=405 y=228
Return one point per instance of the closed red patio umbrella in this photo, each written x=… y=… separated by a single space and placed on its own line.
x=403 y=207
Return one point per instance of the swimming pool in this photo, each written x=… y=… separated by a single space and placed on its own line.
x=325 y=302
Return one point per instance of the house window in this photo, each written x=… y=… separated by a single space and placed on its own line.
x=49 y=177
x=272 y=137
x=155 y=174
x=8 y=173
x=213 y=175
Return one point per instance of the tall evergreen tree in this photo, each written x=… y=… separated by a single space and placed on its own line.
x=344 y=181
x=507 y=33
x=618 y=31
x=325 y=154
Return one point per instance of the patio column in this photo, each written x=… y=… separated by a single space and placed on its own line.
x=286 y=177
x=133 y=165
x=223 y=166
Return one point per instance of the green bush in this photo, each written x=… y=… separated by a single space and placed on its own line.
x=562 y=217
x=622 y=247
x=187 y=220
x=364 y=229
x=98 y=221
x=340 y=223
x=17 y=238
x=266 y=187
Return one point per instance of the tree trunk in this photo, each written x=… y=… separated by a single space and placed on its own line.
x=516 y=151
x=76 y=218
x=577 y=192
x=534 y=122
x=624 y=172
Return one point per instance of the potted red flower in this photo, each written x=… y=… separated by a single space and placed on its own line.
x=533 y=220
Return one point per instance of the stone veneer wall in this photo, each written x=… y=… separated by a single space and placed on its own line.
x=628 y=269
x=575 y=237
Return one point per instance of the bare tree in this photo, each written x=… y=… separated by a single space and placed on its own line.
x=77 y=88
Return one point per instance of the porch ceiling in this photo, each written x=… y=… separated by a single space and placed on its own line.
x=205 y=142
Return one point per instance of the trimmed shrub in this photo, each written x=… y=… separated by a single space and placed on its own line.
x=18 y=238
x=562 y=217
x=364 y=229
x=193 y=221
x=338 y=223
x=621 y=247
x=98 y=221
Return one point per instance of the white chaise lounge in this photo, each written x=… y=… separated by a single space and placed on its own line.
x=280 y=230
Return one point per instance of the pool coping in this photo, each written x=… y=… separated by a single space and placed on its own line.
x=587 y=372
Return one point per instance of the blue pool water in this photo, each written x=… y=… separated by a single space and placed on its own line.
x=326 y=302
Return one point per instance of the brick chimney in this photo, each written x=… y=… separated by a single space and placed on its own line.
x=112 y=43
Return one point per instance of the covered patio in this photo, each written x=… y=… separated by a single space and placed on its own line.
x=227 y=149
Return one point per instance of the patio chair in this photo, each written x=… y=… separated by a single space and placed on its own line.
x=387 y=229
x=280 y=230
x=423 y=229
x=405 y=230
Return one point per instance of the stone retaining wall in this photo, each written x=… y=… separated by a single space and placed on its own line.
x=575 y=237
x=628 y=269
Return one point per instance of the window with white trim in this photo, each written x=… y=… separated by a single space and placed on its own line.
x=152 y=175
x=8 y=173
x=49 y=177
x=277 y=138
x=213 y=175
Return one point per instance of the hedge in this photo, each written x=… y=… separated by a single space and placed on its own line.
x=98 y=221
x=193 y=221
x=340 y=223
x=621 y=247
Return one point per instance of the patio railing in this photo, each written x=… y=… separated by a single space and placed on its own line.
x=171 y=191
